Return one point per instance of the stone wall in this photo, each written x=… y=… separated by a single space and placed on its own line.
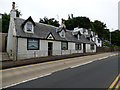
x=3 y=42
x=106 y=49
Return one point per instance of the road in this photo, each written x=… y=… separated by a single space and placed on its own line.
x=96 y=71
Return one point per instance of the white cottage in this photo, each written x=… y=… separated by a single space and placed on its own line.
x=90 y=35
x=28 y=39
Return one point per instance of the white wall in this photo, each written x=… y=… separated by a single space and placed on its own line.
x=95 y=39
x=23 y=53
x=88 y=48
x=11 y=40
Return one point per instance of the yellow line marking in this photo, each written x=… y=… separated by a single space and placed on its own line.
x=118 y=85
x=32 y=65
x=112 y=85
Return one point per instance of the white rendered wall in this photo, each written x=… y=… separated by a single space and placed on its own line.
x=88 y=48
x=23 y=53
x=11 y=39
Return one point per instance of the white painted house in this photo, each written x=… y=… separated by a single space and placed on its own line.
x=28 y=39
x=90 y=35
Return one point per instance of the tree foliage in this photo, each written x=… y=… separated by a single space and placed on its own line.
x=99 y=28
x=6 y=20
x=50 y=21
x=82 y=22
x=115 y=37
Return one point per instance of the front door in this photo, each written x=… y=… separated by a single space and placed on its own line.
x=84 y=48
x=50 y=44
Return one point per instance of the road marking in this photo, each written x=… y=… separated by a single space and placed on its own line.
x=113 y=84
x=81 y=64
x=118 y=85
x=28 y=65
x=27 y=80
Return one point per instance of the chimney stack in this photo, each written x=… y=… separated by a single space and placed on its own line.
x=13 y=5
x=72 y=16
x=63 y=21
x=13 y=11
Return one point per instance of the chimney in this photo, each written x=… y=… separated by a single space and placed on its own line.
x=13 y=11
x=13 y=5
x=72 y=16
x=63 y=21
x=69 y=16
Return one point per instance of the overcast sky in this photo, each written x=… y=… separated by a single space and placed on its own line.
x=103 y=10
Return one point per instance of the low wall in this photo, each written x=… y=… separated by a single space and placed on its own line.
x=106 y=49
x=3 y=40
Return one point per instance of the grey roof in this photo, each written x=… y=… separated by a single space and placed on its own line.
x=41 y=31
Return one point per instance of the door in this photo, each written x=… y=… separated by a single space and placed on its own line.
x=50 y=45
x=84 y=48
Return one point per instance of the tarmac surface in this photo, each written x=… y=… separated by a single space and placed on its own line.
x=97 y=74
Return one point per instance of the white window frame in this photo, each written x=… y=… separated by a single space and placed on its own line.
x=63 y=36
x=78 y=46
x=25 y=27
x=78 y=36
x=64 y=43
x=92 y=46
x=32 y=41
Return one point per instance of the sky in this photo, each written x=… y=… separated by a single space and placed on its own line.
x=103 y=10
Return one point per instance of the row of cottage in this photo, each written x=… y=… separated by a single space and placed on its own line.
x=28 y=39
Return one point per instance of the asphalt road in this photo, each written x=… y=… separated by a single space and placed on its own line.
x=98 y=74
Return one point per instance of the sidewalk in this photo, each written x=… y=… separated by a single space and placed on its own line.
x=9 y=64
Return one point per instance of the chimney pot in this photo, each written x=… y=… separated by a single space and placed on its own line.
x=13 y=5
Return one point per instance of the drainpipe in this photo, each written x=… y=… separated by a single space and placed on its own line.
x=16 y=48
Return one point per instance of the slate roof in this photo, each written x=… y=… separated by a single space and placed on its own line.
x=41 y=31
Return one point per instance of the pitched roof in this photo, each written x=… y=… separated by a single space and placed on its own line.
x=41 y=31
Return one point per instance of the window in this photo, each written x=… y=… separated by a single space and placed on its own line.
x=95 y=39
x=78 y=46
x=64 y=45
x=78 y=37
x=29 y=27
x=33 y=44
x=98 y=40
x=62 y=33
x=92 y=46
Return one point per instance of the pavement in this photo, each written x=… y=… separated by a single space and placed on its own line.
x=4 y=56
x=18 y=63
x=95 y=71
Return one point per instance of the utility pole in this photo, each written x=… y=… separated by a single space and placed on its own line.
x=110 y=40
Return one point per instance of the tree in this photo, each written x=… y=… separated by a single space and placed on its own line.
x=81 y=22
x=115 y=37
x=18 y=13
x=50 y=21
x=100 y=28
x=6 y=20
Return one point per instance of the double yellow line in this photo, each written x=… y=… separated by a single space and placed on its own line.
x=116 y=83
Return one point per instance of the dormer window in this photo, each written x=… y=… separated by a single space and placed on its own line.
x=78 y=36
x=29 y=27
x=63 y=34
